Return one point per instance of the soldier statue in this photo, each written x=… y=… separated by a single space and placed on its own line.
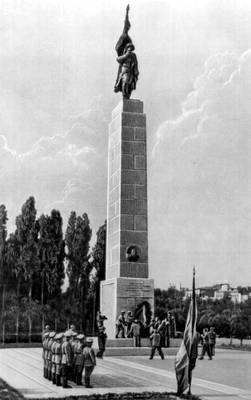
x=128 y=65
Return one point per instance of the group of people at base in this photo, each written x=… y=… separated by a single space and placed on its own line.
x=129 y=327
x=66 y=355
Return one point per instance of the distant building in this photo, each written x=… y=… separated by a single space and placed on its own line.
x=219 y=291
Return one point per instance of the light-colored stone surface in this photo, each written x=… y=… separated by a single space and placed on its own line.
x=224 y=378
x=123 y=294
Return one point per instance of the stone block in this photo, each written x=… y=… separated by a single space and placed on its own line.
x=127 y=148
x=113 y=239
x=133 y=105
x=115 y=254
x=112 y=271
x=133 y=207
x=114 y=195
x=115 y=124
x=126 y=222
x=139 y=162
x=129 y=238
x=114 y=225
x=127 y=133
x=115 y=137
x=141 y=191
x=134 y=177
x=112 y=211
x=115 y=178
x=140 y=222
x=133 y=119
x=127 y=161
x=140 y=134
x=127 y=192
x=139 y=148
x=115 y=163
x=133 y=270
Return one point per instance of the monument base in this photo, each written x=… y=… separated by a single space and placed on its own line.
x=124 y=294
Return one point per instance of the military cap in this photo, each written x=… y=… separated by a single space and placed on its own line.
x=74 y=334
x=52 y=334
x=80 y=336
x=89 y=340
x=123 y=312
x=59 y=336
x=46 y=334
x=67 y=334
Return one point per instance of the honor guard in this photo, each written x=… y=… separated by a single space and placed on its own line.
x=79 y=359
x=66 y=359
x=49 y=354
x=44 y=355
x=73 y=343
x=89 y=361
x=53 y=360
x=58 y=357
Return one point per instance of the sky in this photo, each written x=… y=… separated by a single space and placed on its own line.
x=57 y=72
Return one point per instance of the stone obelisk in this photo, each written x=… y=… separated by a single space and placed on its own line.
x=127 y=283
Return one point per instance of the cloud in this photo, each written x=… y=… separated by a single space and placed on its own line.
x=201 y=161
x=61 y=171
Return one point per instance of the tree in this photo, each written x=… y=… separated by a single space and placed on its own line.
x=30 y=309
x=27 y=236
x=4 y=272
x=98 y=272
x=77 y=239
x=51 y=255
x=240 y=326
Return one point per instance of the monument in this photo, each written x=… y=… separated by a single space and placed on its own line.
x=127 y=284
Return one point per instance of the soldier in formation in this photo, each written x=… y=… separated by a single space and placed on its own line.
x=65 y=356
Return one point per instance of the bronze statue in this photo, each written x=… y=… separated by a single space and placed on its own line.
x=128 y=65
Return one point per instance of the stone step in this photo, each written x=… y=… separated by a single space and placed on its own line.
x=137 y=351
x=127 y=342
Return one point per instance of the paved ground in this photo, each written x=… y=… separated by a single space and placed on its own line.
x=227 y=377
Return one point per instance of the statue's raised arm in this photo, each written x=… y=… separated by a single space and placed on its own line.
x=128 y=65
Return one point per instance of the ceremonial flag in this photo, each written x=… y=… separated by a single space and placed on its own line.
x=187 y=354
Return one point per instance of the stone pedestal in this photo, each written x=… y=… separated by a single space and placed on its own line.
x=127 y=284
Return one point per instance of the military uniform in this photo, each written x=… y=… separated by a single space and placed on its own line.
x=58 y=357
x=53 y=361
x=121 y=325
x=44 y=353
x=212 y=341
x=79 y=359
x=155 y=340
x=89 y=361
x=73 y=343
x=66 y=360
x=102 y=336
x=205 y=345
x=135 y=331
x=49 y=354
